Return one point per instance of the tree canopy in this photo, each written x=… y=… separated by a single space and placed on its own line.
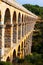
x=34 y=9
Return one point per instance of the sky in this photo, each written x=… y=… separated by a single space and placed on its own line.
x=34 y=2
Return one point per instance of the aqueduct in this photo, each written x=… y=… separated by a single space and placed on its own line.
x=16 y=29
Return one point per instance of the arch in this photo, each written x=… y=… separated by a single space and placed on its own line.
x=7 y=17
x=14 y=57
x=14 y=17
x=22 y=48
x=14 y=54
x=7 y=21
x=8 y=59
x=0 y=32
x=19 y=18
x=14 y=27
x=19 y=48
x=22 y=45
x=14 y=33
x=27 y=19
x=18 y=51
x=0 y=16
x=22 y=17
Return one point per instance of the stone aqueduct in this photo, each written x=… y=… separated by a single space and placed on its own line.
x=16 y=29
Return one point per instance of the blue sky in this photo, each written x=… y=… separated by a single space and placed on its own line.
x=34 y=2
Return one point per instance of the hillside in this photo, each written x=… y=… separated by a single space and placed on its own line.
x=35 y=9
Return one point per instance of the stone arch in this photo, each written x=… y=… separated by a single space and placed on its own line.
x=22 y=17
x=14 y=17
x=14 y=54
x=27 y=19
x=7 y=22
x=0 y=32
x=19 y=17
x=7 y=17
x=14 y=27
x=25 y=23
x=14 y=57
x=0 y=16
x=22 y=45
x=19 y=48
x=8 y=59
x=22 y=48
x=19 y=26
x=18 y=51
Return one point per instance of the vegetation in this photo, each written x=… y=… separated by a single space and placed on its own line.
x=35 y=9
x=5 y=63
x=34 y=59
x=38 y=38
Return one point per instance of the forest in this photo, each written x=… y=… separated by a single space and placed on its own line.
x=38 y=10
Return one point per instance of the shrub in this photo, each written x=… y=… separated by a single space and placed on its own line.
x=5 y=63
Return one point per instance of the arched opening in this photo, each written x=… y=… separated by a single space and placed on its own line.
x=7 y=19
x=14 y=17
x=0 y=32
x=0 y=16
x=8 y=59
x=22 y=48
x=22 y=45
x=19 y=32
x=27 y=44
x=18 y=51
x=14 y=33
x=19 y=18
x=14 y=57
x=25 y=24
x=7 y=22
x=27 y=19
x=23 y=30
x=19 y=26
x=14 y=54
x=22 y=17
x=14 y=27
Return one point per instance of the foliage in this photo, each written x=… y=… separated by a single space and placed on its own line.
x=35 y=9
x=38 y=38
x=34 y=59
x=5 y=63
